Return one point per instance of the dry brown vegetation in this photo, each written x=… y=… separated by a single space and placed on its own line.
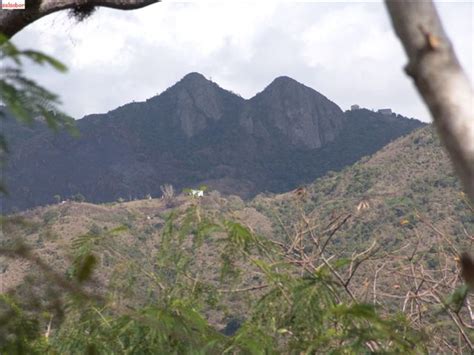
x=389 y=230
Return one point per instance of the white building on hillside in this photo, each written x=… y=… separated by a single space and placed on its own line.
x=197 y=193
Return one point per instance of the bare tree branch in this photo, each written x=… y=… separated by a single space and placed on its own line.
x=11 y=22
x=439 y=79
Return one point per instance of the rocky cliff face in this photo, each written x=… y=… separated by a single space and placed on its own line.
x=198 y=103
x=194 y=133
x=304 y=116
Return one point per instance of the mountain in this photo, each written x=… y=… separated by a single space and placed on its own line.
x=306 y=118
x=405 y=200
x=406 y=190
x=194 y=133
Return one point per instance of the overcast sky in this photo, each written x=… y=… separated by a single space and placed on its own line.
x=347 y=51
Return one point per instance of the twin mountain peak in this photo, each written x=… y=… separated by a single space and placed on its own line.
x=195 y=133
x=300 y=114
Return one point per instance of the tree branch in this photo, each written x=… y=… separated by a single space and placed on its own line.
x=440 y=80
x=13 y=21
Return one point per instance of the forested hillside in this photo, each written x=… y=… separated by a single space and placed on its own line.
x=385 y=232
x=194 y=133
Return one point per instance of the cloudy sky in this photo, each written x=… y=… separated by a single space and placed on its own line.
x=347 y=51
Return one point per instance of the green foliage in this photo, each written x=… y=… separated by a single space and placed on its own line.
x=362 y=179
x=174 y=329
x=297 y=313
x=19 y=332
x=50 y=216
x=84 y=248
x=78 y=197
x=456 y=300
x=23 y=97
x=305 y=315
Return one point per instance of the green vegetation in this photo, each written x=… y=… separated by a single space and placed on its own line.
x=159 y=303
x=23 y=97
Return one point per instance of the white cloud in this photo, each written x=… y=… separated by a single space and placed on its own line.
x=345 y=50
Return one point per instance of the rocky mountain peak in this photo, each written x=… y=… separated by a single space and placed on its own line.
x=283 y=81
x=198 y=102
x=194 y=133
x=194 y=78
x=307 y=118
x=290 y=88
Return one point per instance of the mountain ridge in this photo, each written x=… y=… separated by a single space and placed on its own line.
x=194 y=133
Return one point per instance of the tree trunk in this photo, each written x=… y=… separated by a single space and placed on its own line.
x=440 y=80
